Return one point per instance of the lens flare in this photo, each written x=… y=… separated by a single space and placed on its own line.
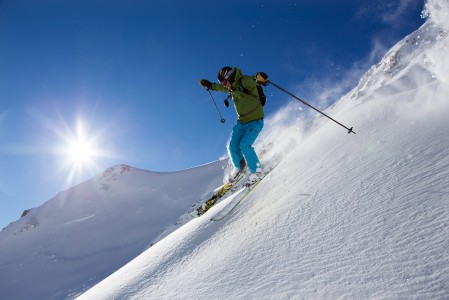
x=80 y=151
x=72 y=148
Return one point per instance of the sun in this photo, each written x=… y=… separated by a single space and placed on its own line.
x=79 y=149
x=80 y=152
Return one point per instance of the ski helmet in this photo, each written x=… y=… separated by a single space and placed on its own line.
x=226 y=74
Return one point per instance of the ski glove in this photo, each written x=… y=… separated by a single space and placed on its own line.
x=206 y=83
x=262 y=78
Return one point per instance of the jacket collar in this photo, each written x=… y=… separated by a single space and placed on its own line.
x=238 y=75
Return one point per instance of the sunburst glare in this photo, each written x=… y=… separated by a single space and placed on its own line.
x=80 y=149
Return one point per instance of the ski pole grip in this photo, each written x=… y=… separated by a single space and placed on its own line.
x=262 y=78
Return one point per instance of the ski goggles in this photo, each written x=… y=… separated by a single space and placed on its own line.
x=224 y=78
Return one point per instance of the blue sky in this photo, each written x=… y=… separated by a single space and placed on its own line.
x=123 y=77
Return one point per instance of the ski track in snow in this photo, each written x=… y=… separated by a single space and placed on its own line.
x=79 y=220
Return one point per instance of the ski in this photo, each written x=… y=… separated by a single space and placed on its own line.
x=218 y=194
x=248 y=190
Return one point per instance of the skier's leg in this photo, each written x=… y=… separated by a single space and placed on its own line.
x=234 y=144
x=252 y=131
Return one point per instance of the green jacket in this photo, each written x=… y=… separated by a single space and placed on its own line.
x=245 y=97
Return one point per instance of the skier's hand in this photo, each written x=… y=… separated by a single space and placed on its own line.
x=206 y=83
x=262 y=78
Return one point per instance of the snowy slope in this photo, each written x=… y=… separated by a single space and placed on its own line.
x=343 y=216
x=89 y=231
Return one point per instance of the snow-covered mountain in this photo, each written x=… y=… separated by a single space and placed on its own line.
x=89 y=231
x=342 y=216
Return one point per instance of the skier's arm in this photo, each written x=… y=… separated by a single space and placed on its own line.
x=213 y=86
x=219 y=87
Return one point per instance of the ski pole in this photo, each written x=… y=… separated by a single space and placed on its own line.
x=307 y=104
x=216 y=107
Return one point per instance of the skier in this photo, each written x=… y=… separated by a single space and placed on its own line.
x=248 y=99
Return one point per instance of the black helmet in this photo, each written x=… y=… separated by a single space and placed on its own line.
x=226 y=74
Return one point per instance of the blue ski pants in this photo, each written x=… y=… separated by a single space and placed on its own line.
x=240 y=144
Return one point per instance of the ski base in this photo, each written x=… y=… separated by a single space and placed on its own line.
x=218 y=194
x=248 y=188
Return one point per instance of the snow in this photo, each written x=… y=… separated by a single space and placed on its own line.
x=343 y=216
x=86 y=233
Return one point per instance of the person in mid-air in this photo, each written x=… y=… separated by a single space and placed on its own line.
x=248 y=98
